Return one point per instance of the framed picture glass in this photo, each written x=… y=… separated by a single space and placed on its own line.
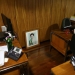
x=32 y=38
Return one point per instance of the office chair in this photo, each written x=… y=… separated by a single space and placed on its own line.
x=65 y=23
x=72 y=48
x=72 y=44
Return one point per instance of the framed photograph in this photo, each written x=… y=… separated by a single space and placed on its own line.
x=32 y=38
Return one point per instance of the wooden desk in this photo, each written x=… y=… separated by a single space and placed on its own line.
x=60 y=40
x=63 y=69
x=13 y=64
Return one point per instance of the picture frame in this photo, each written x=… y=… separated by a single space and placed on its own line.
x=32 y=38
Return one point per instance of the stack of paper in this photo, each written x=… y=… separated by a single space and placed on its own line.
x=4 y=48
x=2 y=52
x=1 y=58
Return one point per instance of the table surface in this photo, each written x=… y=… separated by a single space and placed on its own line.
x=63 y=35
x=64 y=69
x=11 y=63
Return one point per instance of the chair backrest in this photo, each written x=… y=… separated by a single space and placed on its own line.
x=65 y=23
x=72 y=44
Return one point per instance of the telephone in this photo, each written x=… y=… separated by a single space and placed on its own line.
x=14 y=53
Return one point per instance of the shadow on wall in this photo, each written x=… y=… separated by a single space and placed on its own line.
x=52 y=27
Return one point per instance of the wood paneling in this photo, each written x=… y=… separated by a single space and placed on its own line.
x=19 y=7
x=70 y=8
x=8 y=9
x=28 y=15
x=62 y=11
x=56 y=6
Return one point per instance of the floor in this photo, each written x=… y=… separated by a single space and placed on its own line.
x=41 y=60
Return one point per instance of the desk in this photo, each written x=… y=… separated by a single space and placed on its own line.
x=63 y=69
x=60 y=40
x=13 y=64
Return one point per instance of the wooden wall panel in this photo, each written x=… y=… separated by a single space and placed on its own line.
x=47 y=12
x=7 y=8
x=20 y=20
x=39 y=12
x=1 y=22
x=45 y=35
x=56 y=6
x=70 y=8
x=27 y=15
x=43 y=16
x=31 y=13
x=62 y=11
